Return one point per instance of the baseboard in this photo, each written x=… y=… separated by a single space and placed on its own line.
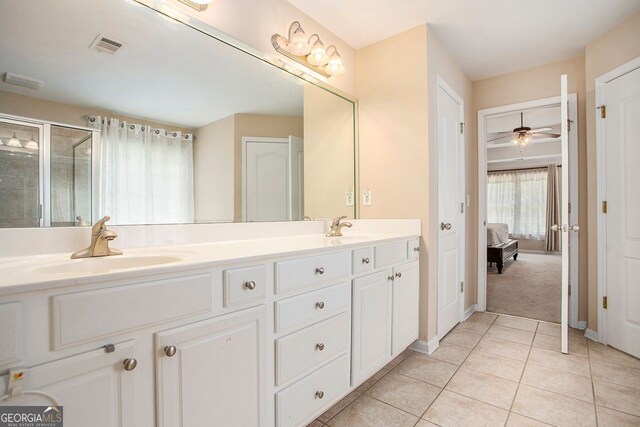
x=582 y=325
x=469 y=311
x=592 y=335
x=535 y=251
x=425 y=347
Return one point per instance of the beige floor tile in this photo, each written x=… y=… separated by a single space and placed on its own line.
x=424 y=368
x=451 y=409
x=395 y=362
x=500 y=366
x=463 y=339
x=517 y=420
x=481 y=316
x=617 y=374
x=510 y=334
x=558 y=381
x=404 y=393
x=368 y=412
x=500 y=347
x=610 y=418
x=425 y=423
x=371 y=381
x=451 y=353
x=517 y=323
x=606 y=354
x=553 y=329
x=618 y=397
x=553 y=408
x=549 y=342
x=484 y=387
x=339 y=406
x=473 y=327
x=555 y=360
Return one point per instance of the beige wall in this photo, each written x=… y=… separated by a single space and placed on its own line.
x=329 y=154
x=620 y=45
x=258 y=125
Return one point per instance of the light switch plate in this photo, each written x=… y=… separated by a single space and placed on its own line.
x=366 y=198
x=349 y=198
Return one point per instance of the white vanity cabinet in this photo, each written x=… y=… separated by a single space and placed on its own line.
x=406 y=283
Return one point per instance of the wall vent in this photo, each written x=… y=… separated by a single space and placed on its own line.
x=105 y=44
x=23 y=81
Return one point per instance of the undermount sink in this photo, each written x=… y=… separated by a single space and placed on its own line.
x=106 y=264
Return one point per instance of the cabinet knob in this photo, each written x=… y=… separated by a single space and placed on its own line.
x=130 y=364
x=398 y=275
x=251 y=285
x=320 y=305
x=320 y=346
x=365 y=260
x=319 y=394
x=390 y=278
x=320 y=270
x=170 y=350
x=416 y=249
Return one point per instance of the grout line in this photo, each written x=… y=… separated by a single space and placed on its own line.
x=522 y=375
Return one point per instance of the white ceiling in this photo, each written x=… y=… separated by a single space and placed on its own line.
x=486 y=37
x=166 y=72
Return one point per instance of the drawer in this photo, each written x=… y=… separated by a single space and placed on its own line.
x=86 y=316
x=309 y=347
x=11 y=332
x=303 y=272
x=312 y=306
x=390 y=253
x=413 y=249
x=362 y=260
x=243 y=285
x=305 y=398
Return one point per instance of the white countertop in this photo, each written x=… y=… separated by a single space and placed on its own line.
x=30 y=273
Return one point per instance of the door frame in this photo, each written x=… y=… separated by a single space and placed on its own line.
x=442 y=84
x=573 y=197
x=601 y=190
x=245 y=140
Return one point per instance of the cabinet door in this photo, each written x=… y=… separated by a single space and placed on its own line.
x=371 y=324
x=94 y=388
x=217 y=373
x=405 y=305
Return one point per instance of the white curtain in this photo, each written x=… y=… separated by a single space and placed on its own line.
x=145 y=174
x=519 y=199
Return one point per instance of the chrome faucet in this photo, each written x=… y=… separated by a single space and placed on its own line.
x=100 y=238
x=336 y=227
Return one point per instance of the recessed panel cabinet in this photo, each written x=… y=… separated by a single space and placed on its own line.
x=406 y=282
x=213 y=372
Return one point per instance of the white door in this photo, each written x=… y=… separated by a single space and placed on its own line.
x=93 y=388
x=565 y=229
x=216 y=375
x=371 y=339
x=450 y=209
x=296 y=172
x=405 y=306
x=267 y=180
x=622 y=173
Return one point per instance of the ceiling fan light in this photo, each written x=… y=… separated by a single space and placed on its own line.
x=318 y=55
x=14 y=142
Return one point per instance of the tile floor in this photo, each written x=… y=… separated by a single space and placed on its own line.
x=497 y=370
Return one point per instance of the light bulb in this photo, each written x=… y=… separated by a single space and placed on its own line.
x=14 y=142
x=298 y=42
x=32 y=144
x=318 y=55
x=335 y=66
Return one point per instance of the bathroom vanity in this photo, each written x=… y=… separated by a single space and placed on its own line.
x=258 y=332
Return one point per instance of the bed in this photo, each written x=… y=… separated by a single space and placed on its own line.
x=499 y=246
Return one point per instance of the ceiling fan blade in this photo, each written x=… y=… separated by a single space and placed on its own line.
x=499 y=138
x=552 y=135
x=501 y=134
x=541 y=130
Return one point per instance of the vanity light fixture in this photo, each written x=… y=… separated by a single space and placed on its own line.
x=32 y=144
x=309 y=52
x=14 y=142
x=199 y=5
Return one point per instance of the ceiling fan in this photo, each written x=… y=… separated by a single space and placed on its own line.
x=523 y=135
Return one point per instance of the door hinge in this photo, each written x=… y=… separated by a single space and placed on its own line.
x=603 y=111
x=569 y=207
x=569 y=125
x=604 y=206
x=604 y=302
x=461 y=286
x=569 y=290
x=461 y=128
x=461 y=207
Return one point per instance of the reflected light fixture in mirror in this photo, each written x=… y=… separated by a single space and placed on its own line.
x=14 y=141
x=32 y=144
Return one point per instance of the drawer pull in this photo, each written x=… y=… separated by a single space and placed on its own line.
x=319 y=394
x=416 y=249
x=398 y=275
x=320 y=270
x=320 y=346
x=170 y=350
x=251 y=285
x=130 y=364
x=320 y=305
x=390 y=278
x=365 y=260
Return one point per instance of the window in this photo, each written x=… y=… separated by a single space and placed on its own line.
x=519 y=199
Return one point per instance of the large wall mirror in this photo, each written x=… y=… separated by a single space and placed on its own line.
x=108 y=107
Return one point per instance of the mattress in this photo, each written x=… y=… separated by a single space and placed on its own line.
x=497 y=234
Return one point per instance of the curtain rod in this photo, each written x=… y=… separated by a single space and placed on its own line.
x=521 y=169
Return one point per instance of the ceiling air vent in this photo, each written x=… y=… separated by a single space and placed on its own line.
x=105 y=44
x=23 y=81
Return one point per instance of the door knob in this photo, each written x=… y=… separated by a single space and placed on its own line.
x=555 y=227
x=445 y=226
x=170 y=350
x=574 y=228
x=130 y=364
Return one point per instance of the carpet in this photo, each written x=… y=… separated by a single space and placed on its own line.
x=529 y=287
